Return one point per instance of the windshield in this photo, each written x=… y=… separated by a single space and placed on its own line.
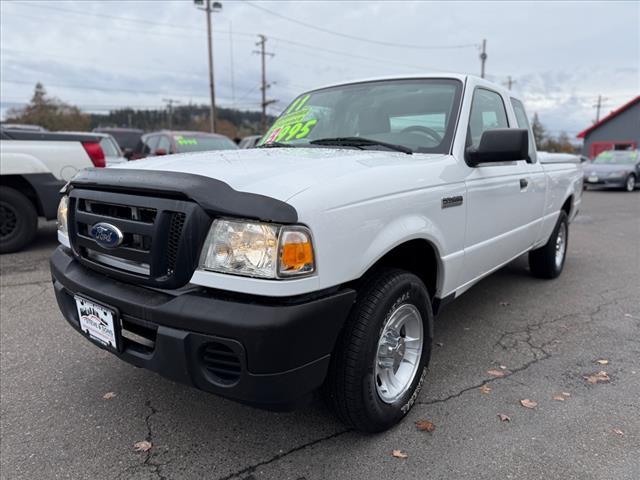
x=613 y=157
x=417 y=114
x=202 y=143
x=125 y=139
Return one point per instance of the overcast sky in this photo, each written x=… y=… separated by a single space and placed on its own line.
x=109 y=54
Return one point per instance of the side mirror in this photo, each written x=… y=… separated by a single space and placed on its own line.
x=160 y=151
x=500 y=145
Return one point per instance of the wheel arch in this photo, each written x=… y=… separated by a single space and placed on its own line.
x=22 y=185
x=419 y=256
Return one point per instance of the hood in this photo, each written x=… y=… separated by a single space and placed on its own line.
x=279 y=173
x=607 y=168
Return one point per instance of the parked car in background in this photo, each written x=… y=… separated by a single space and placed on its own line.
x=250 y=141
x=112 y=153
x=127 y=138
x=614 y=169
x=34 y=166
x=168 y=142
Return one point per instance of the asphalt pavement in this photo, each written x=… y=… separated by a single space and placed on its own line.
x=510 y=338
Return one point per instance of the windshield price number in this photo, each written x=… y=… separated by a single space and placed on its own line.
x=295 y=130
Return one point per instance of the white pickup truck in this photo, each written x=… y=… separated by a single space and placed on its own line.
x=318 y=261
x=34 y=166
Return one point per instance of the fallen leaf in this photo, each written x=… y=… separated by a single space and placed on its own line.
x=425 y=426
x=439 y=344
x=497 y=373
x=143 y=446
x=565 y=394
x=503 y=367
x=559 y=398
x=617 y=431
x=504 y=418
x=602 y=361
x=109 y=395
x=399 y=454
x=504 y=304
x=528 y=403
x=599 y=377
x=485 y=389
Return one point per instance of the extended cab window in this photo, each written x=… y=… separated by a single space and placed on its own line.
x=487 y=112
x=419 y=114
x=523 y=122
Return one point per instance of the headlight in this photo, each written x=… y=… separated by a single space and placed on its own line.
x=258 y=249
x=63 y=206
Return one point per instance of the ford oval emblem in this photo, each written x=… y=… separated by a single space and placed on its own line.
x=106 y=235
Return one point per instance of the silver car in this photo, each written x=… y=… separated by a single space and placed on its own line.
x=614 y=169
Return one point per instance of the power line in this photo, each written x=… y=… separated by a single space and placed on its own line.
x=360 y=39
x=315 y=48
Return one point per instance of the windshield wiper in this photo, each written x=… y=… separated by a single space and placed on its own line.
x=275 y=145
x=360 y=142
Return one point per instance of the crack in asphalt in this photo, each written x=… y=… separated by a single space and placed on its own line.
x=154 y=467
x=250 y=469
x=539 y=352
x=25 y=300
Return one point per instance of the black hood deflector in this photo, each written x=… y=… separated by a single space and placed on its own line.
x=214 y=196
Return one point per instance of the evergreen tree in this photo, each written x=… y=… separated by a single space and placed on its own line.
x=49 y=112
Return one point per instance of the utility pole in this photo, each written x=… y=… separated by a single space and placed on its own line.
x=210 y=7
x=265 y=103
x=598 y=106
x=509 y=83
x=170 y=102
x=483 y=57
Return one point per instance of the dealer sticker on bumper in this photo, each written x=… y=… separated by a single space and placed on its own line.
x=592 y=179
x=98 y=322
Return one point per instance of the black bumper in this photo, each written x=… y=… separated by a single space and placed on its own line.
x=266 y=352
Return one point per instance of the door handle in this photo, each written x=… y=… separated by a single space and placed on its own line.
x=524 y=183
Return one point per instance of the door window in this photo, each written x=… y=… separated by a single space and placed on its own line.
x=150 y=144
x=164 y=144
x=487 y=112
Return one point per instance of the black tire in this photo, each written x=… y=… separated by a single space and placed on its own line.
x=18 y=220
x=350 y=389
x=630 y=183
x=542 y=261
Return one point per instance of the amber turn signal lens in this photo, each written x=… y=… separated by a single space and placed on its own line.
x=296 y=253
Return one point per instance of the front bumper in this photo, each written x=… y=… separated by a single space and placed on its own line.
x=279 y=349
x=605 y=181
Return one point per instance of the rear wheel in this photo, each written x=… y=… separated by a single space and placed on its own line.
x=18 y=220
x=548 y=261
x=630 y=184
x=380 y=360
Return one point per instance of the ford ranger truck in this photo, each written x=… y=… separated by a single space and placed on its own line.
x=318 y=260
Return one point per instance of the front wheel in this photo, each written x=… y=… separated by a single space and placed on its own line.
x=630 y=184
x=381 y=357
x=548 y=261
